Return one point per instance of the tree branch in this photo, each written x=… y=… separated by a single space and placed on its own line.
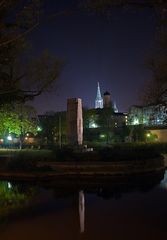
x=2 y=2
x=19 y=78
x=21 y=35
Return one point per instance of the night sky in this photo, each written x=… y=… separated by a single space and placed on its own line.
x=111 y=50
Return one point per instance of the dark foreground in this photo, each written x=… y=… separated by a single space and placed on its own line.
x=116 y=208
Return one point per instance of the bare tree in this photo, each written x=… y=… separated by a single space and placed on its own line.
x=21 y=79
x=17 y=19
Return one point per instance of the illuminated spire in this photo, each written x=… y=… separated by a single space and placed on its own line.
x=99 y=99
x=115 y=107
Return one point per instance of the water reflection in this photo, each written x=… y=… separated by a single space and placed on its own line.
x=57 y=209
x=82 y=211
x=105 y=187
x=163 y=183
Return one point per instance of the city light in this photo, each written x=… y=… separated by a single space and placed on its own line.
x=92 y=124
x=136 y=121
x=39 y=129
x=148 y=135
x=9 y=185
x=9 y=138
x=102 y=136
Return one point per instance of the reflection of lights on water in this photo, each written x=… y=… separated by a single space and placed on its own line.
x=163 y=183
x=82 y=211
x=9 y=185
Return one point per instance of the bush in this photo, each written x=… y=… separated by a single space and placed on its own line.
x=128 y=152
x=65 y=154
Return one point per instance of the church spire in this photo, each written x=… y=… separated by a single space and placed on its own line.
x=115 y=107
x=99 y=99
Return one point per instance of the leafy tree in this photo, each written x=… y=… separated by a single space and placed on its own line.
x=18 y=120
x=106 y=122
x=10 y=122
x=53 y=128
x=89 y=118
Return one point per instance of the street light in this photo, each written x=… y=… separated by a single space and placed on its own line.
x=148 y=135
x=9 y=138
x=39 y=129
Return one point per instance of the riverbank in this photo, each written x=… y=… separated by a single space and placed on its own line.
x=116 y=160
x=59 y=170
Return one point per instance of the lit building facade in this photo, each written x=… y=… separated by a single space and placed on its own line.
x=152 y=115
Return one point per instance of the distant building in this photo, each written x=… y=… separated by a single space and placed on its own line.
x=107 y=100
x=151 y=115
x=104 y=123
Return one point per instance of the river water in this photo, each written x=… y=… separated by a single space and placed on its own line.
x=113 y=208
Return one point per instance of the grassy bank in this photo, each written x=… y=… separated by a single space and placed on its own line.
x=29 y=160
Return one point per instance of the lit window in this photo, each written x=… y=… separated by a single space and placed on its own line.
x=92 y=124
x=136 y=121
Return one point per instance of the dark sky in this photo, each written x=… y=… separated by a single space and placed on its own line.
x=96 y=48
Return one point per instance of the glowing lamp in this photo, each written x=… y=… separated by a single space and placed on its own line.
x=148 y=135
x=39 y=129
x=9 y=138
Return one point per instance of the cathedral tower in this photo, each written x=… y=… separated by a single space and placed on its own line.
x=99 y=99
x=107 y=100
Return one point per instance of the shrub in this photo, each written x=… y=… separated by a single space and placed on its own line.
x=128 y=152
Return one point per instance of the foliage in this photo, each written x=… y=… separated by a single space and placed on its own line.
x=89 y=117
x=28 y=160
x=128 y=152
x=53 y=127
x=17 y=121
x=106 y=122
x=138 y=133
x=9 y=195
x=15 y=200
